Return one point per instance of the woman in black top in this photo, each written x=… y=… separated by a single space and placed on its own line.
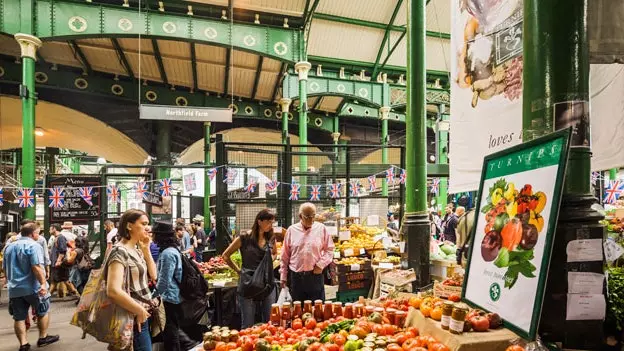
x=253 y=247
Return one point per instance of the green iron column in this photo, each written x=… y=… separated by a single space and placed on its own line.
x=302 y=68
x=285 y=105
x=207 y=224
x=75 y=165
x=613 y=172
x=336 y=135
x=384 y=114
x=163 y=148
x=28 y=45
x=416 y=220
x=556 y=86
x=442 y=157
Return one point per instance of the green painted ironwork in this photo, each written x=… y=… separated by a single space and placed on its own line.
x=207 y=192
x=278 y=84
x=122 y=58
x=257 y=78
x=28 y=129
x=194 y=65
x=386 y=36
x=86 y=66
x=159 y=62
x=226 y=80
x=370 y=92
x=65 y=19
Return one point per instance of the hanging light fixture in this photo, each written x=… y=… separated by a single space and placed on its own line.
x=39 y=131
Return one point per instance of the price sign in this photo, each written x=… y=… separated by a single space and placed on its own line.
x=612 y=250
x=344 y=235
x=333 y=231
x=386 y=265
x=348 y=252
x=336 y=254
x=355 y=267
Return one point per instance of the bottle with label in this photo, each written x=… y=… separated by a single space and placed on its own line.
x=296 y=310
x=276 y=318
x=286 y=315
x=307 y=306
x=318 y=310
x=447 y=311
x=328 y=311
x=348 y=311
x=400 y=318
x=391 y=314
x=358 y=310
x=458 y=317
x=337 y=309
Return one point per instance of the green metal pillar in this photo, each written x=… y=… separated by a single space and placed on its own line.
x=163 y=148
x=416 y=220
x=302 y=68
x=336 y=135
x=442 y=158
x=342 y=153
x=207 y=224
x=613 y=172
x=28 y=45
x=75 y=165
x=555 y=80
x=285 y=104
x=385 y=113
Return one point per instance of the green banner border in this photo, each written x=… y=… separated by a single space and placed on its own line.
x=564 y=136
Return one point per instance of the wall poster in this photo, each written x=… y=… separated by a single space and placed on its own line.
x=518 y=203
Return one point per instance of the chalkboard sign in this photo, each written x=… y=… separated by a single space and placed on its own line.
x=75 y=209
x=153 y=199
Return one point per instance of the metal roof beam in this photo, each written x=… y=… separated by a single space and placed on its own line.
x=161 y=67
x=279 y=81
x=81 y=57
x=392 y=51
x=122 y=57
x=310 y=14
x=386 y=36
x=257 y=79
x=317 y=103
x=194 y=65
x=226 y=81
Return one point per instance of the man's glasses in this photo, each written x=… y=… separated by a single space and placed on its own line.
x=308 y=217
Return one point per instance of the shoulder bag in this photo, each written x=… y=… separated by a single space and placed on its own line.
x=258 y=284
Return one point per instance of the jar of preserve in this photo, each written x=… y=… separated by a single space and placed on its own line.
x=447 y=311
x=456 y=325
x=337 y=309
x=328 y=311
x=307 y=306
x=401 y=317
x=286 y=315
x=275 y=318
x=369 y=310
x=391 y=314
x=348 y=311
x=379 y=310
x=296 y=310
x=318 y=310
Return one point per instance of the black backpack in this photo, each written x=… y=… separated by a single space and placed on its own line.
x=193 y=285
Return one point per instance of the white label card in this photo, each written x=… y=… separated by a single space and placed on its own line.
x=612 y=250
x=362 y=251
x=372 y=220
x=348 y=252
x=584 y=250
x=218 y=283
x=402 y=246
x=333 y=231
x=386 y=265
x=344 y=235
x=336 y=254
x=582 y=307
x=355 y=267
x=585 y=283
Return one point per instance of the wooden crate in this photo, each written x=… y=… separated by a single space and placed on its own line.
x=355 y=285
x=343 y=268
x=444 y=291
x=353 y=276
x=442 y=269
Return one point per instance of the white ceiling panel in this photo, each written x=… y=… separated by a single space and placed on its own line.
x=270 y=65
x=330 y=103
x=266 y=85
x=104 y=60
x=439 y=15
x=241 y=82
x=179 y=72
x=285 y=7
x=210 y=77
x=60 y=53
x=133 y=45
x=344 y=41
x=8 y=46
x=244 y=59
x=149 y=67
x=368 y=10
x=437 y=52
x=210 y=54
x=175 y=49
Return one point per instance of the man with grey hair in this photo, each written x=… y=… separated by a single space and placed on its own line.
x=307 y=250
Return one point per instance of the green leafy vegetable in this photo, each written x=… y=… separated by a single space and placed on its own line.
x=503 y=258
x=518 y=262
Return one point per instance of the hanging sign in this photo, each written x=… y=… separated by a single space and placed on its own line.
x=185 y=113
x=153 y=199
x=75 y=208
x=518 y=203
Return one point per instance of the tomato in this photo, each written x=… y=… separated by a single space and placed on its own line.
x=314 y=346
x=310 y=333
x=394 y=347
x=436 y=313
x=480 y=324
x=332 y=347
x=389 y=329
x=413 y=330
x=247 y=344
x=269 y=339
x=379 y=329
x=322 y=325
x=323 y=348
x=454 y=298
x=344 y=333
x=317 y=332
x=310 y=323
x=409 y=334
x=400 y=338
x=301 y=331
x=221 y=346
x=332 y=337
x=291 y=341
x=339 y=340
x=438 y=347
x=515 y=348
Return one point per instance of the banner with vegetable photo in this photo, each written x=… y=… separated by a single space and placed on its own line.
x=518 y=204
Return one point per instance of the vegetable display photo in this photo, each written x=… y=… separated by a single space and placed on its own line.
x=518 y=205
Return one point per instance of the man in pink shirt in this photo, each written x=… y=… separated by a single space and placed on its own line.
x=307 y=250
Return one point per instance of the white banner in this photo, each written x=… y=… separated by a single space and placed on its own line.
x=486 y=87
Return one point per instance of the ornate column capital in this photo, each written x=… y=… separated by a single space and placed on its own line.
x=336 y=136
x=385 y=112
x=303 y=68
x=28 y=45
x=285 y=103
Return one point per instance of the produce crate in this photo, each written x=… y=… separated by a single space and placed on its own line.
x=355 y=285
x=441 y=269
x=351 y=295
x=444 y=291
x=343 y=268
x=353 y=276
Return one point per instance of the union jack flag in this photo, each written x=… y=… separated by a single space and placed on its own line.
x=294 y=192
x=141 y=189
x=271 y=185
x=26 y=197
x=354 y=187
x=390 y=175
x=86 y=193
x=230 y=176
x=315 y=194
x=335 y=190
x=372 y=183
x=435 y=185
x=212 y=173
x=613 y=191
x=112 y=192
x=56 y=198
x=251 y=187
x=402 y=176
x=165 y=187
x=594 y=177
x=1 y=197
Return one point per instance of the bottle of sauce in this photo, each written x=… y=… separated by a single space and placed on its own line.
x=328 y=311
x=348 y=311
x=276 y=318
x=286 y=315
x=447 y=311
x=318 y=310
x=337 y=309
x=307 y=306
x=458 y=317
x=296 y=310
x=401 y=317
x=391 y=314
x=358 y=310
x=369 y=310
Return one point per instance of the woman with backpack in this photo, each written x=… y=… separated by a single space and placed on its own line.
x=253 y=247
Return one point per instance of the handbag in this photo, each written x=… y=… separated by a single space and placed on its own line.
x=99 y=316
x=258 y=284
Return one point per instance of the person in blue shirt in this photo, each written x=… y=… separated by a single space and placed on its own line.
x=169 y=274
x=24 y=266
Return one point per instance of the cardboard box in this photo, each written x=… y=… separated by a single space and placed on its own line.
x=355 y=285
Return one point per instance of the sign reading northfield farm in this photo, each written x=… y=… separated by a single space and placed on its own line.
x=185 y=113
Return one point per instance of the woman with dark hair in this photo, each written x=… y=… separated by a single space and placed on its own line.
x=253 y=247
x=131 y=252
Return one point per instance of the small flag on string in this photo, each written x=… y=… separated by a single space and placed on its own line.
x=26 y=197
x=594 y=177
x=335 y=190
x=613 y=191
x=112 y=192
x=435 y=185
x=212 y=173
x=1 y=197
x=271 y=185
x=372 y=183
x=230 y=176
x=141 y=189
x=390 y=175
x=165 y=187
x=315 y=194
x=294 y=192
x=251 y=187
x=86 y=193
x=403 y=176
x=354 y=187
x=56 y=198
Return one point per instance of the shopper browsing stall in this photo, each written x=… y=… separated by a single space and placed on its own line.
x=307 y=250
